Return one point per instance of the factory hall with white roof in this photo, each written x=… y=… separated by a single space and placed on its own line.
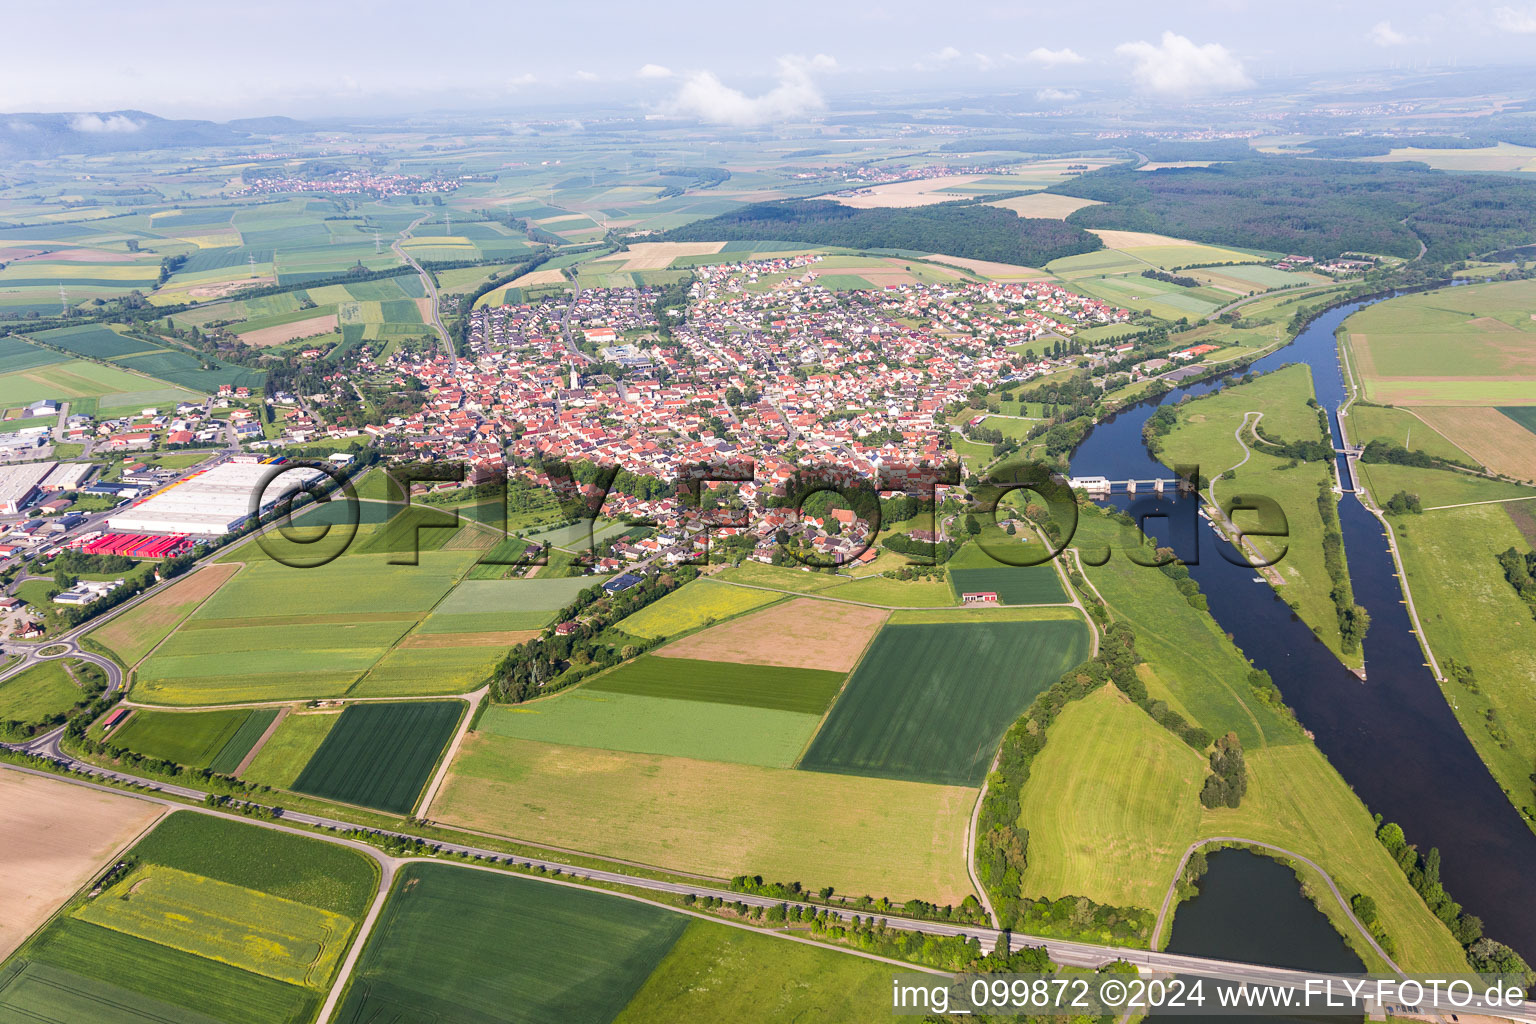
x=216 y=502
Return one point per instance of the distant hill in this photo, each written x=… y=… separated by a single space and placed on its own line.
x=962 y=228
x=39 y=136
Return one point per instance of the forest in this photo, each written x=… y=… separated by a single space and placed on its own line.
x=1315 y=208
x=955 y=229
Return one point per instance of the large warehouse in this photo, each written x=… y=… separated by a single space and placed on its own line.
x=213 y=503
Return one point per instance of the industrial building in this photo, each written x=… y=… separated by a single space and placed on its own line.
x=19 y=483
x=68 y=476
x=213 y=503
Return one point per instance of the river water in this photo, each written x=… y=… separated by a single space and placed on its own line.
x=1393 y=737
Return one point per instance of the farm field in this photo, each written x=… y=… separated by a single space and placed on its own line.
x=802 y=690
x=777 y=577
x=438 y=951
x=209 y=898
x=717 y=973
x=799 y=633
x=286 y=752
x=892 y=593
x=929 y=703
x=861 y=835
x=1492 y=437
x=57 y=836
x=89 y=387
x=1470 y=346
x=694 y=604
x=488 y=605
x=296 y=633
x=1471 y=614
x=583 y=717
x=135 y=633
x=380 y=755
x=196 y=739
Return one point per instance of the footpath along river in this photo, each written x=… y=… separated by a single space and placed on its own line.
x=1393 y=736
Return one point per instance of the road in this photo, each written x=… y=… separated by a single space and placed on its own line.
x=431 y=287
x=1213 y=314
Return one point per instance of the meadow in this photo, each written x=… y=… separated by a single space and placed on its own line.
x=1500 y=439
x=90 y=388
x=778 y=577
x=438 y=951
x=1435 y=487
x=583 y=717
x=694 y=604
x=38 y=693
x=1034 y=584
x=1367 y=423
x=486 y=605
x=929 y=703
x=1471 y=614
x=861 y=835
x=380 y=755
x=893 y=593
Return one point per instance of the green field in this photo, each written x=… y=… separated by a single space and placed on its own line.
x=214 y=912
x=486 y=605
x=1525 y=415
x=930 y=703
x=89 y=387
x=16 y=354
x=584 y=717
x=295 y=633
x=38 y=693
x=289 y=749
x=1457 y=346
x=1110 y=805
x=272 y=937
x=1435 y=487
x=893 y=593
x=440 y=951
x=716 y=973
x=803 y=690
x=692 y=605
x=777 y=577
x=1035 y=584
x=196 y=739
x=1471 y=614
x=380 y=755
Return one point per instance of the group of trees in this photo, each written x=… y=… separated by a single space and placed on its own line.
x=1353 y=619
x=957 y=229
x=1167 y=278
x=1404 y=502
x=1520 y=571
x=1485 y=955
x=1228 y=781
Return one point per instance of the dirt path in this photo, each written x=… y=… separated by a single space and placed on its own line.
x=260 y=742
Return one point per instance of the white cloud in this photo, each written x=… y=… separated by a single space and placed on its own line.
x=1383 y=34
x=1512 y=19
x=95 y=123
x=1054 y=95
x=948 y=53
x=524 y=79
x=586 y=76
x=707 y=98
x=1179 y=67
x=1053 y=58
x=654 y=71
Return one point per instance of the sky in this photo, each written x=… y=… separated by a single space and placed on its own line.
x=729 y=63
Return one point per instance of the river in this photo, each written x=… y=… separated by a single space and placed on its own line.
x=1393 y=737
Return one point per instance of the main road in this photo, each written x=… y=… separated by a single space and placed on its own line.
x=431 y=287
